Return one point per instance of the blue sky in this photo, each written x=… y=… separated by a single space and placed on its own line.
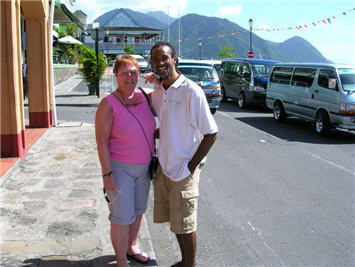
x=336 y=41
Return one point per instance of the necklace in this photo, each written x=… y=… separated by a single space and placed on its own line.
x=134 y=101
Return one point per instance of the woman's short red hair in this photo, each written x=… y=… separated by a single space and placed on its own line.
x=123 y=60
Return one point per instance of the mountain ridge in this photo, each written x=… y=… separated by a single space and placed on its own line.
x=295 y=49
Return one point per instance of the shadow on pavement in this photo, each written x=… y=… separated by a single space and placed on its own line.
x=297 y=130
x=293 y=129
x=102 y=261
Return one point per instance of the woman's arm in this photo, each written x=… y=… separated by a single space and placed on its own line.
x=103 y=125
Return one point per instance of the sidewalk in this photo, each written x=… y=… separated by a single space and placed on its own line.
x=53 y=212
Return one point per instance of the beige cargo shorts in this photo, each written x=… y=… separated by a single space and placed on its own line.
x=176 y=202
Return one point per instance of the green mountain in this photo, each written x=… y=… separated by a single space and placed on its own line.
x=193 y=27
x=161 y=16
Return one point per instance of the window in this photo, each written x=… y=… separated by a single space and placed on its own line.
x=262 y=70
x=347 y=77
x=324 y=76
x=303 y=77
x=281 y=75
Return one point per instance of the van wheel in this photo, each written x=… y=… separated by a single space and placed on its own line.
x=213 y=110
x=224 y=96
x=241 y=101
x=279 y=112
x=322 y=124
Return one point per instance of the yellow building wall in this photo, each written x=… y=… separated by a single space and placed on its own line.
x=12 y=115
x=38 y=72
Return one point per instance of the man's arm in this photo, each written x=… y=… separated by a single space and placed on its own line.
x=202 y=150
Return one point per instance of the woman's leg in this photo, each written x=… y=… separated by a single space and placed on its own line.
x=119 y=239
x=134 y=230
x=141 y=198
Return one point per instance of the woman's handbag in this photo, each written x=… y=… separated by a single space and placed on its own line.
x=153 y=165
x=154 y=162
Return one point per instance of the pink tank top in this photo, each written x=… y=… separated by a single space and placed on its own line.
x=127 y=141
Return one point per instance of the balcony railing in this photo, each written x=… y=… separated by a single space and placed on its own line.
x=121 y=45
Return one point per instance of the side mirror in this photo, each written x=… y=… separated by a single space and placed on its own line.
x=221 y=72
x=332 y=83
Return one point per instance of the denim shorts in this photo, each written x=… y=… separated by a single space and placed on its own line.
x=132 y=192
x=176 y=202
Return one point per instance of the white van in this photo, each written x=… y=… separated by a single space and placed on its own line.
x=322 y=93
x=143 y=64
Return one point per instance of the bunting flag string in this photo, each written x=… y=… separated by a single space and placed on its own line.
x=314 y=24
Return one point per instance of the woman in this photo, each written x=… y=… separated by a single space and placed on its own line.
x=124 y=127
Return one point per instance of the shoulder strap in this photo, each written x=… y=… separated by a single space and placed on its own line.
x=145 y=94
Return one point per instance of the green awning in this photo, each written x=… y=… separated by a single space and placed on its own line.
x=63 y=15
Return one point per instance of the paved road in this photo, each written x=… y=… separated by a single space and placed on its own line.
x=276 y=195
x=271 y=195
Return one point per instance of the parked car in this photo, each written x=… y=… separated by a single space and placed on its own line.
x=204 y=74
x=322 y=93
x=245 y=79
x=143 y=64
x=216 y=63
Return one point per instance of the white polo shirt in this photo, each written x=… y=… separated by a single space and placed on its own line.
x=184 y=118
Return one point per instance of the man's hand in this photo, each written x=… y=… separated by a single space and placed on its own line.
x=152 y=78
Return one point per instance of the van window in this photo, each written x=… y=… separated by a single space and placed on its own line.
x=347 y=77
x=324 y=76
x=281 y=75
x=261 y=70
x=303 y=77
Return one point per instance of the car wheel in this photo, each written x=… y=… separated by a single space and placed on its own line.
x=241 y=100
x=213 y=110
x=322 y=124
x=224 y=96
x=279 y=112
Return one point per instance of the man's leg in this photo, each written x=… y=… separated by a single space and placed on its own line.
x=187 y=243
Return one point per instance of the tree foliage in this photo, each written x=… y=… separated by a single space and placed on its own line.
x=129 y=50
x=226 y=51
x=87 y=61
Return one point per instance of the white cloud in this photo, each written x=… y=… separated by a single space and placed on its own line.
x=227 y=11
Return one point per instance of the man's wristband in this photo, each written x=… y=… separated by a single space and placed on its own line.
x=107 y=174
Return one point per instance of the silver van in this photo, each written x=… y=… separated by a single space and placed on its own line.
x=322 y=93
x=245 y=79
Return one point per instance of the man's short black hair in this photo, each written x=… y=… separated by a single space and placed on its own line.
x=159 y=44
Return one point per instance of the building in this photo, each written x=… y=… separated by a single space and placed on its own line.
x=26 y=52
x=119 y=28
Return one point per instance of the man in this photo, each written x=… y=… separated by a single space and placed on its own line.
x=187 y=132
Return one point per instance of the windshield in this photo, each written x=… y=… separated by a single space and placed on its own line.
x=199 y=73
x=347 y=78
x=261 y=70
x=140 y=59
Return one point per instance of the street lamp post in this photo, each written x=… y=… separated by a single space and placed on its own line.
x=95 y=26
x=251 y=28
x=200 y=45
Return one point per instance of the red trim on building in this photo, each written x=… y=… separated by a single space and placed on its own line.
x=40 y=119
x=13 y=145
